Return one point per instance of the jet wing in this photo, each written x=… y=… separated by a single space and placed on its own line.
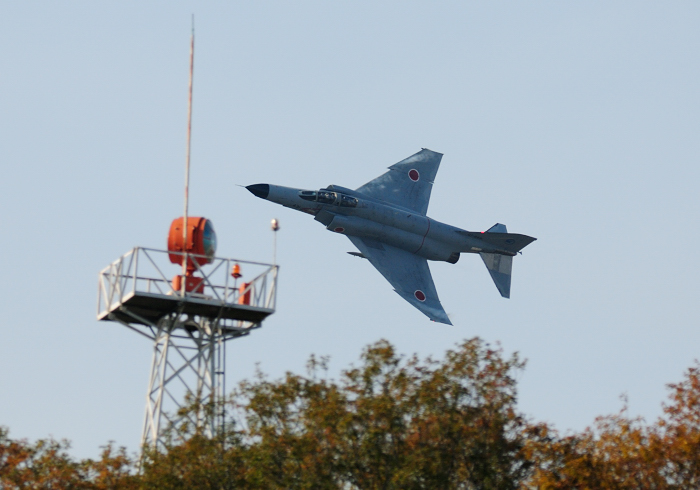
x=407 y=183
x=407 y=273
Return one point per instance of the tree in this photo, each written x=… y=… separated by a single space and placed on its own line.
x=619 y=453
x=625 y=453
x=393 y=422
x=46 y=464
x=680 y=441
x=113 y=471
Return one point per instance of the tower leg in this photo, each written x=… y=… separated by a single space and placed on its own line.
x=185 y=386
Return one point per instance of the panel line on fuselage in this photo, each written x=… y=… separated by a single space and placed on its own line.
x=426 y=234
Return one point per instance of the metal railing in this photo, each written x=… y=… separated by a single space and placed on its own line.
x=143 y=270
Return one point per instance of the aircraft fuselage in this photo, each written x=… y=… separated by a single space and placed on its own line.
x=350 y=213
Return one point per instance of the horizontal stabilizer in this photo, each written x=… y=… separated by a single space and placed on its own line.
x=510 y=243
x=500 y=268
x=357 y=254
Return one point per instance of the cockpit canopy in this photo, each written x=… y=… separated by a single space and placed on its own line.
x=328 y=197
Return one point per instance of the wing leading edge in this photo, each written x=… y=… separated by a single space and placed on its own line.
x=407 y=183
x=409 y=275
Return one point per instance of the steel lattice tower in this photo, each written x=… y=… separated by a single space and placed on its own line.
x=189 y=332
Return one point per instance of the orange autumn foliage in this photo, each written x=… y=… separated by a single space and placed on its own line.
x=392 y=422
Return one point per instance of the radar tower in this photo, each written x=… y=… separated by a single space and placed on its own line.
x=188 y=318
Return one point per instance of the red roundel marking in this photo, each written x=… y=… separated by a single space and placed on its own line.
x=339 y=230
x=420 y=296
x=413 y=175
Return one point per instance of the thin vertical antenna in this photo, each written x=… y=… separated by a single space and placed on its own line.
x=274 y=247
x=187 y=159
x=275 y=225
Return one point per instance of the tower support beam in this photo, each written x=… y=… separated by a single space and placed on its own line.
x=186 y=385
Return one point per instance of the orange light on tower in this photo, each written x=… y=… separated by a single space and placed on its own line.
x=244 y=292
x=236 y=271
x=199 y=249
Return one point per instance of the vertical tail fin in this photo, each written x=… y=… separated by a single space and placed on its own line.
x=500 y=268
x=498 y=228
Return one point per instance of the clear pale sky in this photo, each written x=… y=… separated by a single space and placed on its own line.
x=574 y=122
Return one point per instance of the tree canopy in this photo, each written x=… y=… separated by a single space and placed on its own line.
x=392 y=422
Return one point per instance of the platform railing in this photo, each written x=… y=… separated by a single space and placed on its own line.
x=147 y=270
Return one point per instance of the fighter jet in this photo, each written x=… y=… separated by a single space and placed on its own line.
x=386 y=220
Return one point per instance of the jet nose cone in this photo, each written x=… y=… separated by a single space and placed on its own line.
x=260 y=190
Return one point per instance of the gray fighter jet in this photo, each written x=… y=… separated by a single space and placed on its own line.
x=386 y=220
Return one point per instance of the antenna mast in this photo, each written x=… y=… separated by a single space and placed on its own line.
x=187 y=157
x=188 y=319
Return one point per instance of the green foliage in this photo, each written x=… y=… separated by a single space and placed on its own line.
x=625 y=453
x=391 y=422
x=47 y=465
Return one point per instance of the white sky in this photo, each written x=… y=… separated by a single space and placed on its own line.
x=576 y=123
